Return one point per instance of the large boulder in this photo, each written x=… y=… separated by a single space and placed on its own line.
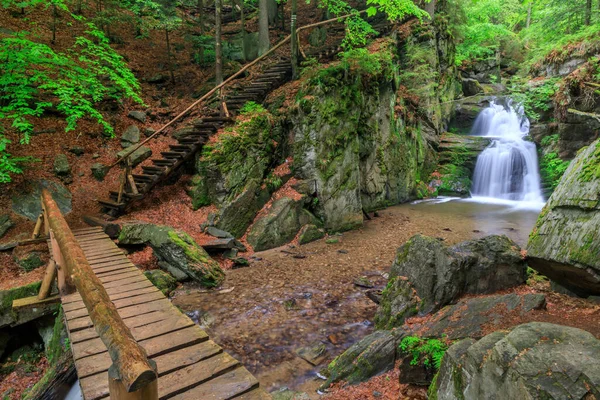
x=26 y=201
x=5 y=224
x=533 y=361
x=8 y=317
x=235 y=216
x=565 y=242
x=177 y=249
x=61 y=166
x=280 y=224
x=131 y=136
x=440 y=274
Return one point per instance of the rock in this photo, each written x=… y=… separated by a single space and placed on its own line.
x=158 y=78
x=363 y=282
x=564 y=244
x=29 y=259
x=469 y=316
x=99 y=171
x=218 y=233
x=149 y=132
x=240 y=262
x=137 y=115
x=26 y=201
x=5 y=337
x=176 y=273
x=471 y=87
x=310 y=233
x=61 y=166
x=370 y=356
x=315 y=353
x=5 y=224
x=415 y=373
x=177 y=249
x=279 y=225
x=237 y=215
x=332 y=241
x=45 y=328
x=7 y=316
x=77 y=150
x=559 y=289
x=533 y=361
x=95 y=156
x=162 y=280
x=131 y=136
x=138 y=156
x=441 y=274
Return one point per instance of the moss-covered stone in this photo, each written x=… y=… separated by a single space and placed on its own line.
x=236 y=215
x=7 y=316
x=310 y=233
x=177 y=249
x=564 y=244
x=162 y=280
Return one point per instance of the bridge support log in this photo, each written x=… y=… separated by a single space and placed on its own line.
x=129 y=358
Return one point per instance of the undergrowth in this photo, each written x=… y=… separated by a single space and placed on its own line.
x=426 y=352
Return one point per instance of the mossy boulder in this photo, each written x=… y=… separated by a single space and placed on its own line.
x=235 y=216
x=139 y=155
x=5 y=224
x=7 y=316
x=310 y=233
x=30 y=260
x=61 y=166
x=440 y=274
x=280 y=225
x=162 y=280
x=533 y=361
x=26 y=199
x=130 y=137
x=565 y=242
x=99 y=171
x=370 y=356
x=177 y=249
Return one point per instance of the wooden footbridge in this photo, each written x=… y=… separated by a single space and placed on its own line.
x=128 y=341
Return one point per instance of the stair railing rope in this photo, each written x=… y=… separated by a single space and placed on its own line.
x=131 y=149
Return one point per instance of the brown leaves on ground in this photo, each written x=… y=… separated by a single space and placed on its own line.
x=22 y=378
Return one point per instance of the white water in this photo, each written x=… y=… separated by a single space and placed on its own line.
x=506 y=171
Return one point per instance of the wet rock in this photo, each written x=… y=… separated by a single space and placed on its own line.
x=218 y=233
x=162 y=280
x=177 y=249
x=374 y=295
x=310 y=233
x=99 y=171
x=5 y=224
x=26 y=200
x=178 y=274
x=77 y=150
x=131 y=136
x=315 y=353
x=240 y=262
x=440 y=274
x=564 y=244
x=533 y=361
x=138 y=116
x=363 y=282
x=370 y=356
x=471 y=87
x=138 y=156
x=61 y=166
x=158 y=78
x=287 y=394
x=279 y=225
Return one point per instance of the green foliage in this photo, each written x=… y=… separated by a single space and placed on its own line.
x=535 y=98
x=252 y=107
x=550 y=140
x=552 y=169
x=10 y=165
x=273 y=182
x=426 y=352
x=533 y=276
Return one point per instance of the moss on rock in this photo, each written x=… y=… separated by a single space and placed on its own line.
x=7 y=316
x=162 y=280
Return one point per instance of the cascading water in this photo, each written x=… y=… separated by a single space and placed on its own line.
x=508 y=168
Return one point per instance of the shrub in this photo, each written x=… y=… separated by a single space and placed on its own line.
x=427 y=352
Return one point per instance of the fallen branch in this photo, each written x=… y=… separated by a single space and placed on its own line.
x=584 y=114
x=12 y=245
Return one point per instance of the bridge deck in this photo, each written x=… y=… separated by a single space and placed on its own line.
x=190 y=366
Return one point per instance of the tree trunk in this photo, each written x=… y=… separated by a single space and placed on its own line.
x=54 y=17
x=430 y=8
x=294 y=40
x=243 y=26
x=263 y=27
x=169 y=56
x=588 y=13
x=529 y=15
x=218 y=44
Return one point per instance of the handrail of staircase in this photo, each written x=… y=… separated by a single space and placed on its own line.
x=131 y=149
x=131 y=372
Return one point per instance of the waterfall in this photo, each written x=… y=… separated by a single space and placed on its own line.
x=508 y=168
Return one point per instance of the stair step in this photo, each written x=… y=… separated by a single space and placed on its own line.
x=112 y=204
x=115 y=195
x=271 y=74
x=205 y=126
x=193 y=141
x=173 y=154
x=163 y=162
x=150 y=170
x=181 y=147
x=144 y=177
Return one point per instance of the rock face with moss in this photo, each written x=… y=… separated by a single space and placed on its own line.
x=10 y=318
x=175 y=249
x=162 y=280
x=565 y=243
x=533 y=361
x=441 y=274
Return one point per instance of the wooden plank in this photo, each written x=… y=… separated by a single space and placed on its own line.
x=154 y=346
x=95 y=386
x=118 y=298
x=34 y=302
x=84 y=231
x=121 y=270
x=117 y=277
x=92 y=238
x=95 y=251
x=107 y=254
x=113 y=268
x=171 y=324
x=191 y=376
x=223 y=387
x=82 y=324
x=83 y=312
x=108 y=263
x=138 y=284
x=141 y=313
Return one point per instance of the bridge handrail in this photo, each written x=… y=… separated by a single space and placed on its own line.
x=131 y=366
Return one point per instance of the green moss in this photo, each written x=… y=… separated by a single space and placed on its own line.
x=552 y=168
x=162 y=280
x=332 y=241
x=591 y=169
x=7 y=296
x=31 y=261
x=189 y=246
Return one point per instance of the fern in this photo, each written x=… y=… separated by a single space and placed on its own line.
x=426 y=352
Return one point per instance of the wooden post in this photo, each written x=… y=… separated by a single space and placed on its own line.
x=65 y=284
x=118 y=391
x=48 y=279
x=128 y=357
x=122 y=186
x=294 y=41
x=38 y=226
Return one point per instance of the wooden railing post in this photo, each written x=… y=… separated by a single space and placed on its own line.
x=48 y=279
x=118 y=391
x=133 y=370
x=65 y=284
